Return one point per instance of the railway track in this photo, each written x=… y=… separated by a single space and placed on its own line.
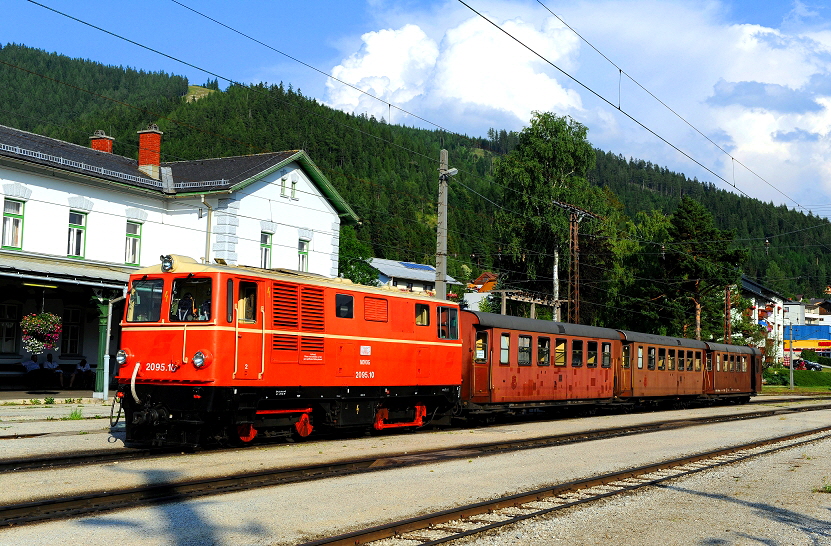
x=464 y=521
x=128 y=454
x=100 y=501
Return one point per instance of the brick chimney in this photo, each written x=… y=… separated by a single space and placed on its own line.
x=101 y=142
x=150 y=144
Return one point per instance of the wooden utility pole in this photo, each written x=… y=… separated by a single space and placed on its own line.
x=576 y=215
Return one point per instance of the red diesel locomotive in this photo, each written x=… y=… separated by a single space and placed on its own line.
x=221 y=353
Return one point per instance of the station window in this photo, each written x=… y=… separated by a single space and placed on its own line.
x=9 y=319
x=132 y=243
x=448 y=322
x=524 y=351
x=591 y=354
x=481 y=352
x=505 y=349
x=626 y=356
x=607 y=355
x=650 y=364
x=543 y=351
x=71 y=331
x=422 y=314
x=560 y=350
x=265 y=250
x=662 y=358
x=344 y=306
x=12 y=224
x=77 y=234
x=577 y=353
x=671 y=359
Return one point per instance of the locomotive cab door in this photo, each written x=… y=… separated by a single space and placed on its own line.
x=249 y=326
x=481 y=365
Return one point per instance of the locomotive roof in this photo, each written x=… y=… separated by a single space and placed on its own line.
x=493 y=320
x=655 y=339
x=186 y=264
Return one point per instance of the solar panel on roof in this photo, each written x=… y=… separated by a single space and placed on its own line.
x=421 y=267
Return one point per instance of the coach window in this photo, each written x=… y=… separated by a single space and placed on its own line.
x=718 y=362
x=505 y=349
x=732 y=363
x=698 y=361
x=591 y=354
x=145 y=302
x=543 y=351
x=744 y=364
x=650 y=364
x=709 y=362
x=480 y=353
x=247 y=302
x=422 y=314
x=690 y=361
x=682 y=361
x=524 y=351
x=671 y=359
x=626 y=354
x=344 y=306
x=577 y=353
x=607 y=355
x=448 y=322
x=640 y=357
x=560 y=351
x=662 y=358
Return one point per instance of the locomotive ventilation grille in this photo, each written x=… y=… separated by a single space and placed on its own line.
x=285 y=305
x=311 y=344
x=312 y=308
x=283 y=343
x=298 y=307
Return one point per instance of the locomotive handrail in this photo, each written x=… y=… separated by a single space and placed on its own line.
x=262 y=335
x=133 y=383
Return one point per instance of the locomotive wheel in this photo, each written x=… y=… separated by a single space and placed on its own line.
x=303 y=427
x=245 y=434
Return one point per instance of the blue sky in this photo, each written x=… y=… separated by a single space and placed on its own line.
x=755 y=77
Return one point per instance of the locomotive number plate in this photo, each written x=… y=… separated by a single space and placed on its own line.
x=364 y=375
x=160 y=367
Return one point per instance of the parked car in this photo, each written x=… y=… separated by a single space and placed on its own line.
x=812 y=366
x=798 y=364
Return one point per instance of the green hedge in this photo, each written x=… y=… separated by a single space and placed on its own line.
x=801 y=378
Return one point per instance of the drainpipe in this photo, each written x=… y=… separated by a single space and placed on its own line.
x=207 y=258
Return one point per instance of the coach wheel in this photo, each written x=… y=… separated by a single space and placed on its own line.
x=303 y=427
x=246 y=433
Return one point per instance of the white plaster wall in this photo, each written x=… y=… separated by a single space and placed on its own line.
x=173 y=226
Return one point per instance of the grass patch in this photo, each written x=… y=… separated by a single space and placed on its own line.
x=34 y=401
x=780 y=376
x=75 y=415
x=825 y=488
x=48 y=400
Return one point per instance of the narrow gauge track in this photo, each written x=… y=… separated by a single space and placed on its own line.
x=129 y=454
x=472 y=519
x=72 y=506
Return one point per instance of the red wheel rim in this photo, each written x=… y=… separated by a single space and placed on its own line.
x=303 y=426
x=246 y=433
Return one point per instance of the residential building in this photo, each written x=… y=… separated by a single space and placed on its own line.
x=768 y=310
x=407 y=276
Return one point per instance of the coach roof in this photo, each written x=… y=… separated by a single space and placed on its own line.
x=492 y=320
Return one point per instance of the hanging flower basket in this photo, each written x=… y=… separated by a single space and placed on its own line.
x=40 y=332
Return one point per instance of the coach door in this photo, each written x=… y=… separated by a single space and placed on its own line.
x=249 y=327
x=481 y=364
x=623 y=377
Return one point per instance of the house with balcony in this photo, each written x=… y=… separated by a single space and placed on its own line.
x=78 y=220
x=768 y=310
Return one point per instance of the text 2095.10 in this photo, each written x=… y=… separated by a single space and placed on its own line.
x=364 y=375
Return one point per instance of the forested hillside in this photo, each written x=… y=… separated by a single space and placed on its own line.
x=387 y=173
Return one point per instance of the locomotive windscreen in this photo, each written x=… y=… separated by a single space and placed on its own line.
x=145 y=303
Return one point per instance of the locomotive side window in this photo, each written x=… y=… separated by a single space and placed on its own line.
x=229 y=301
x=524 y=348
x=651 y=356
x=481 y=351
x=607 y=356
x=448 y=322
x=640 y=358
x=662 y=358
x=344 y=306
x=560 y=351
x=145 y=302
x=190 y=299
x=671 y=359
x=591 y=354
x=247 y=302
x=543 y=351
x=577 y=353
x=422 y=314
x=505 y=349
x=626 y=354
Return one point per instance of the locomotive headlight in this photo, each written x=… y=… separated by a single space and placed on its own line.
x=121 y=357
x=201 y=359
x=167 y=263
